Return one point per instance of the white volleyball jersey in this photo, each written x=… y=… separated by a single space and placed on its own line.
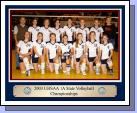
x=24 y=47
x=105 y=50
x=65 y=48
x=58 y=33
x=79 y=50
x=39 y=48
x=84 y=31
x=46 y=33
x=98 y=32
x=69 y=31
x=34 y=32
x=92 y=48
x=52 y=49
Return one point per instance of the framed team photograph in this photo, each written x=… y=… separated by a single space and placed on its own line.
x=73 y=53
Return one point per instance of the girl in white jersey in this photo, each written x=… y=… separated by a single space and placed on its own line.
x=66 y=51
x=39 y=53
x=46 y=30
x=84 y=30
x=70 y=30
x=52 y=54
x=34 y=29
x=58 y=31
x=79 y=54
x=92 y=50
x=98 y=30
x=106 y=55
x=24 y=49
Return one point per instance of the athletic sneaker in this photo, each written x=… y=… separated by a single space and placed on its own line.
x=64 y=71
x=56 y=72
x=28 y=73
x=94 y=68
x=42 y=72
x=97 y=71
x=84 y=73
x=39 y=67
x=111 y=72
x=31 y=66
x=23 y=72
x=17 y=68
x=67 y=73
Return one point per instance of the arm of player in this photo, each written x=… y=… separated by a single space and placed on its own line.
x=74 y=56
x=59 y=51
x=87 y=34
x=98 y=54
x=30 y=30
x=111 y=54
x=74 y=35
x=72 y=51
x=47 y=56
x=44 y=51
x=86 y=51
x=30 y=34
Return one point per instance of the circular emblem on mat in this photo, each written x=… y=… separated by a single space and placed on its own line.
x=102 y=91
x=27 y=90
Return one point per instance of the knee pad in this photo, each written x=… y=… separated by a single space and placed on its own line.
x=109 y=62
x=83 y=67
x=26 y=62
x=43 y=65
x=98 y=64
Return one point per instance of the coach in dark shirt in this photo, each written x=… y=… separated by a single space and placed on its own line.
x=110 y=30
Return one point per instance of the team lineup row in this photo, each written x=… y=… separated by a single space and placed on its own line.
x=66 y=55
x=69 y=30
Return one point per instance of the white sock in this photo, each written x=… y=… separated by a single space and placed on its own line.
x=60 y=63
x=68 y=68
x=31 y=64
x=43 y=67
x=64 y=71
x=56 y=68
x=98 y=65
x=26 y=62
x=83 y=67
x=98 y=68
x=39 y=66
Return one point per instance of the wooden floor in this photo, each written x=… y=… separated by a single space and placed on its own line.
x=16 y=75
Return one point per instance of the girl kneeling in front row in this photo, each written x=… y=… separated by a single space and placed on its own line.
x=24 y=49
x=66 y=52
x=79 y=54
x=106 y=55
x=52 y=54
x=39 y=53
x=92 y=50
